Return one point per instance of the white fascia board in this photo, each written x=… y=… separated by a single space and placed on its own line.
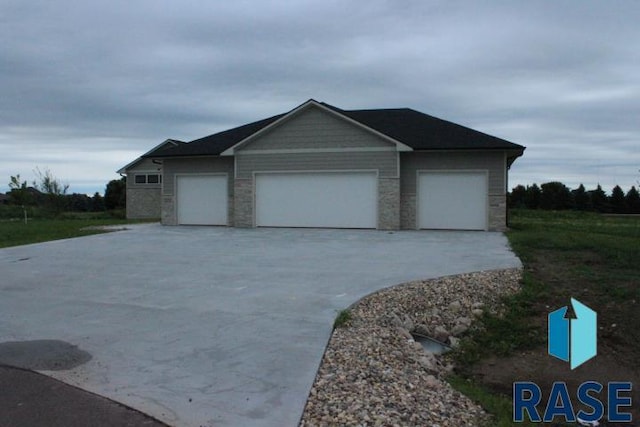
x=133 y=163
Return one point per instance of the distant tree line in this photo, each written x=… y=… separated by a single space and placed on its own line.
x=49 y=194
x=557 y=196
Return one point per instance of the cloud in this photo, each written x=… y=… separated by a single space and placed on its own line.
x=100 y=82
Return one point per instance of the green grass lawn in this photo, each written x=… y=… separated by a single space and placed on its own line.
x=14 y=233
x=590 y=257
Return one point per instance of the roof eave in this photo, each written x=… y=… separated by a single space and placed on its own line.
x=519 y=149
x=182 y=156
x=123 y=169
x=512 y=155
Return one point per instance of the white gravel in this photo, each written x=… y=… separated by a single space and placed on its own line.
x=374 y=374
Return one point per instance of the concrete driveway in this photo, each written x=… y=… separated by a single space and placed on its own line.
x=201 y=326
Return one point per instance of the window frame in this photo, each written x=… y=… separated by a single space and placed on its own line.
x=143 y=178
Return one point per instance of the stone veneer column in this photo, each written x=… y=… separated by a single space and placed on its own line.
x=388 y=203
x=168 y=211
x=408 y=212
x=243 y=203
x=497 y=212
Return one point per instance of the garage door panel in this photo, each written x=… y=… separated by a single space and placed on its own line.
x=202 y=199
x=455 y=200
x=334 y=200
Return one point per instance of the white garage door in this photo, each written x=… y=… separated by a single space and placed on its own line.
x=331 y=199
x=201 y=199
x=452 y=200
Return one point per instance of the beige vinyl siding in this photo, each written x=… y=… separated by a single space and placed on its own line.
x=493 y=162
x=386 y=162
x=145 y=166
x=315 y=129
x=172 y=167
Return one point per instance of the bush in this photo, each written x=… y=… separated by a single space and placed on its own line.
x=12 y=212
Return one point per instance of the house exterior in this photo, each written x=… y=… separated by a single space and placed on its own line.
x=320 y=166
x=144 y=184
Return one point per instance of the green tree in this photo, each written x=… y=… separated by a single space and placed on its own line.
x=54 y=191
x=19 y=191
x=554 y=196
x=49 y=184
x=617 y=200
x=633 y=201
x=599 y=200
x=79 y=202
x=517 y=197
x=581 y=199
x=532 y=198
x=97 y=203
x=115 y=195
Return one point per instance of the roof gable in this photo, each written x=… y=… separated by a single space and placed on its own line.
x=300 y=110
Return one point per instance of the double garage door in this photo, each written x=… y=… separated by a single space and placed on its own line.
x=320 y=199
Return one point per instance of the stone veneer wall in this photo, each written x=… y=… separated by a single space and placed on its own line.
x=497 y=212
x=388 y=203
x=168 y=211
x=408 y=212
x=243 y=205
x=143 y=203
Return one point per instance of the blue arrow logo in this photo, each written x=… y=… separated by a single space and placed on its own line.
x=573 y=340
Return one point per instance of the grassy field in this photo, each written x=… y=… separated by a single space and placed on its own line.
x=16 y=232
x=590 y=257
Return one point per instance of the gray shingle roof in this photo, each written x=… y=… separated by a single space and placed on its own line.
x=415 y=129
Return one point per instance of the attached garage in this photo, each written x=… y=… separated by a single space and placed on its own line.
x=202 y=199
x=321 y=166
x=454 y=200
x=316 y=199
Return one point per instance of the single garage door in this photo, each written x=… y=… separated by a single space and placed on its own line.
x=321 y=199
x=201 y=199
x=452 y=200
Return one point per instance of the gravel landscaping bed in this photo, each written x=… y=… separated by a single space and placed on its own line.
x=374 y=374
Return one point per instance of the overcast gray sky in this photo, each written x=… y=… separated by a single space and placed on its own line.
x=87 y=86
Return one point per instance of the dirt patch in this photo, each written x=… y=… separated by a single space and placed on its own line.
x=499 y=374
x=580 y=275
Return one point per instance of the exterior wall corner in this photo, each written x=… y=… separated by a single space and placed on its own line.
x=243 y=203
x=168 y=211
x=497 y=212
x=389 y=203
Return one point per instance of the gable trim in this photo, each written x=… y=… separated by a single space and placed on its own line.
x=399 y=146
x=316 y=150
x=123 y=169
